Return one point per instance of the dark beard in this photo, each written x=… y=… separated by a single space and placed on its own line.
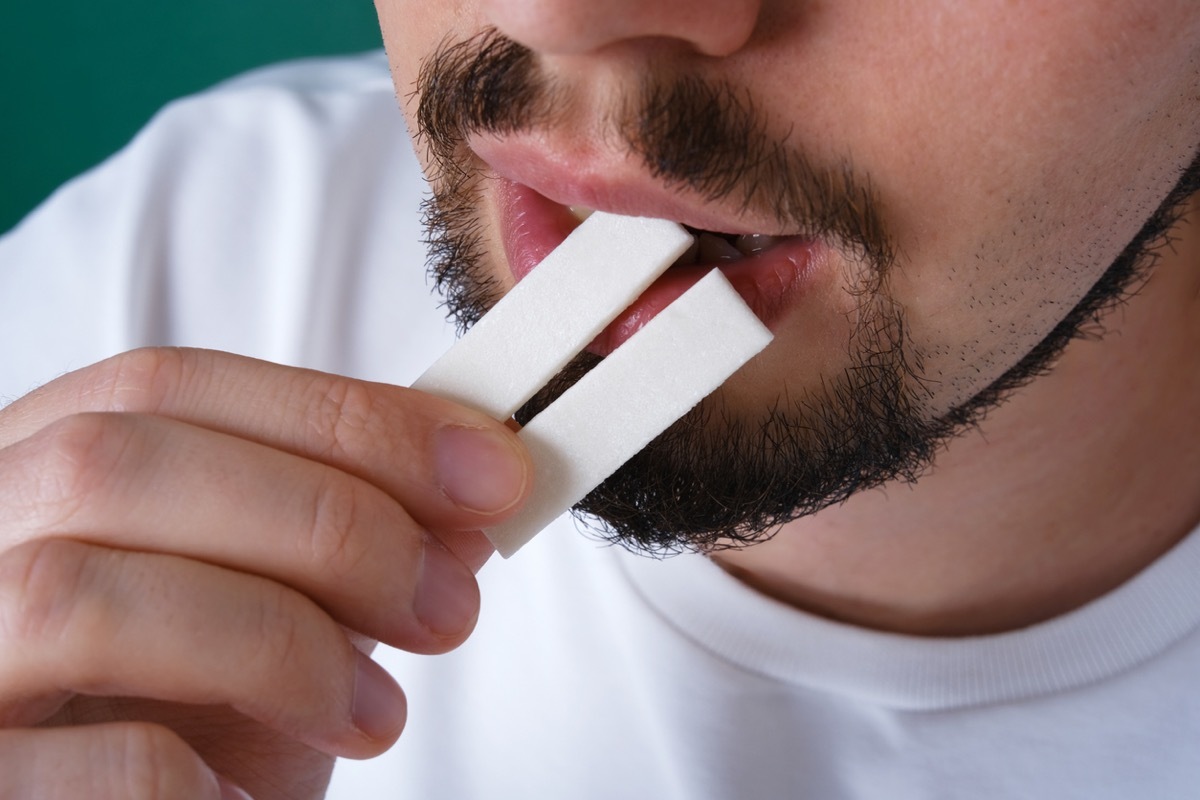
x=715 y=479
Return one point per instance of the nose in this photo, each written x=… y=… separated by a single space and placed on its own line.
x=573 y=27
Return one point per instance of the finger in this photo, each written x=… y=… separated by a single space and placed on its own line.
x=117 y=479
x=472 y=547
x=115 y=761
x=450 y=466
x=88 y=620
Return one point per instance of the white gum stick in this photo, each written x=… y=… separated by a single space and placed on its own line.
x=679 y=357
x=554 y=312
x=658 y=375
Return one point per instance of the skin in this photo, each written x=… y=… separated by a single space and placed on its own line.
x=265 y=512
x=1017 y=148
x=1065 y=492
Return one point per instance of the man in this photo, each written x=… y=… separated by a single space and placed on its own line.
x=942 y=536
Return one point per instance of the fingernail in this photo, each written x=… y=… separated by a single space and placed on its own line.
x=447 y=597
x=479 y=469
x=379 y=708
x=230 y=791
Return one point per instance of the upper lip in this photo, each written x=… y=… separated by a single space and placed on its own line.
x=616 y=183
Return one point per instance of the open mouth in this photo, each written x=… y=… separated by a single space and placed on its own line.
x=711 y=247
x=767 y=271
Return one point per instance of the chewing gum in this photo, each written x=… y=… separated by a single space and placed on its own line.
x=554 y=312
x=689 y=349
x=660 y=373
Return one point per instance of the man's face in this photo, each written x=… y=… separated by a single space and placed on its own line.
x=953 y=178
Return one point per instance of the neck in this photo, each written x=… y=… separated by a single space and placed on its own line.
x=1073 y=486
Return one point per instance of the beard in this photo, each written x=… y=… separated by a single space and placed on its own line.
x=719 y=477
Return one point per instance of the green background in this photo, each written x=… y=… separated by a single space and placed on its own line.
x=77 y=79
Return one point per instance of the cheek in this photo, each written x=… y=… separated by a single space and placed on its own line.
x=405 y=40
x=412 y=29
x=1017 y=148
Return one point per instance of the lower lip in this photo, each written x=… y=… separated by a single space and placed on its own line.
x=769 y=281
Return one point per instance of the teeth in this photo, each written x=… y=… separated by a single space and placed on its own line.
x=581 y=212
x=714 y=248
x=754 y=243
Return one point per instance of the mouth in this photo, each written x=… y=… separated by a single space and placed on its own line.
x=767 y=271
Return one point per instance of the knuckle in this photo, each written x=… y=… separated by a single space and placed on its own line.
x=138 y=380
x=79 y=457
x=149 y=762
x=40 y=583
x=334 y=542
x=342 y=416
x=127 y=760
x=296 y=659
x=279 y=641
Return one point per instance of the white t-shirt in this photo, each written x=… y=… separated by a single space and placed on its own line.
x=277 y=216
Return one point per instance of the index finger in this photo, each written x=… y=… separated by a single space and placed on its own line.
x=453 y=468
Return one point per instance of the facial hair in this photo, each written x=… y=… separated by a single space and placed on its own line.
x=719 y=478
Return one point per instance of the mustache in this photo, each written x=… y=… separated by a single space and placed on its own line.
x=690 y=133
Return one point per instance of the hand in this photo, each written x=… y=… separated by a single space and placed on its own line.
x=192 y=544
